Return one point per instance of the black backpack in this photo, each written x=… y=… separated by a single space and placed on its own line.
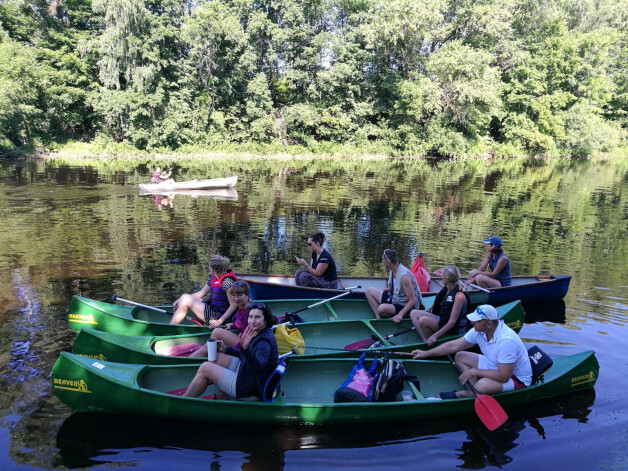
x=389 y=382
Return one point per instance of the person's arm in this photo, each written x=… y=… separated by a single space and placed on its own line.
x=501 y=374
x=407 y=288
x=444 y=349
x=453 y=318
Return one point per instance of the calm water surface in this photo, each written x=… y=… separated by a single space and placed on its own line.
x=86 y=230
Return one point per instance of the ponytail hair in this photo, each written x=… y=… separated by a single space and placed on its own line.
x=452 y=274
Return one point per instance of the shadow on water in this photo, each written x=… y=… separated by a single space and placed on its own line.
x=86 y=439
x=549 y=311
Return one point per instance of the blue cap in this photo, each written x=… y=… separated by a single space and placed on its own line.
x=496 y=241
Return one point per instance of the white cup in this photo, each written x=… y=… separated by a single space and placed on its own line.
x=212 y=349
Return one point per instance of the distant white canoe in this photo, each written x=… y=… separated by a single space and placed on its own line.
x=217 y=193
x=228 y=182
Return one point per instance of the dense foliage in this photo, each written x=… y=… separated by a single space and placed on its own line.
x=446 y=77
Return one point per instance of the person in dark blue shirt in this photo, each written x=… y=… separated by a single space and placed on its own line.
x=498 y=263
x=242 y=373
x=321 y=271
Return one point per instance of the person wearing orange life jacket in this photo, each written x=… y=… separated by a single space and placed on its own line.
x=217 y=304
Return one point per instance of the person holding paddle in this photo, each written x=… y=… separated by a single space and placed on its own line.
x=402 y=293
x=503 y=365
x=242 y=373
x=161 y=177
x=447 y=316
x=321 y=272
x=498 y=263
x=220 y=280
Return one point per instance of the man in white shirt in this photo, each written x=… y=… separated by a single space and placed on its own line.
x=504 y=364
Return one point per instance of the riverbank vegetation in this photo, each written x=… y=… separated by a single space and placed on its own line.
x=390 y=77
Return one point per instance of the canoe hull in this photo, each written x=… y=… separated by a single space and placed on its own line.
x=228 y=182
x=88 y=385
x=321 y=339
x=127 y=320
x=524 y=288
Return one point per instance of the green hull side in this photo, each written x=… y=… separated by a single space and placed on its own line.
x=127 y=320
x=321 y=339
x=86 y=385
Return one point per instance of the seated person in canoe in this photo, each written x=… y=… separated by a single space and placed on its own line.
x=240 y=306
x=401 y=294
x=448 y=314
x=220 y=279
x=498 y=263
x=503 y=365
x=161 y=177
x=242 y=373
x=321 y=271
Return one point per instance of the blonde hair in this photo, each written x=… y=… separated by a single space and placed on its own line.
x=219 y=263
x=452 y=274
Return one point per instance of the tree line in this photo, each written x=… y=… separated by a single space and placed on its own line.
x=420 y=77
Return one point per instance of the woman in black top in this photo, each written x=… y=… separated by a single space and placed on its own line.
x=447 y=316
x=321 y=272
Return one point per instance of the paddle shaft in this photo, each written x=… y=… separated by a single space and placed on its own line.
x=480 y=288
x=366 y=350
x=324 y=301
x=150 y=308
x=133 y=303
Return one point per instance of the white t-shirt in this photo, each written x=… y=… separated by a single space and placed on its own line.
x=505 y=347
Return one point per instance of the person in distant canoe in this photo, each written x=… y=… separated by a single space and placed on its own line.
x=401 y=295
x=447 y=316
x=236 y=317
x=504 y=364
x=220 y=280
x=161 y=177
x=321 y=271
x=498 y=263
x=242 y=373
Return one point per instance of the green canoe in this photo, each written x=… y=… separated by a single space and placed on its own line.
x=321 y=338
x=130 y=320
x=306 y=397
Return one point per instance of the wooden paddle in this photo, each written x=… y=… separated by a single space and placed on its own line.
x=487 y=408
x=360 y=344
x=151 y=308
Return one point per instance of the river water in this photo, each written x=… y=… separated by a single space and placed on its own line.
x=85 y=229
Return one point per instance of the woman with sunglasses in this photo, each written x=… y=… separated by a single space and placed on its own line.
x=238 y=312
x=220 y=280
x=321 y=271
x=241 y=373
x=498 y=263
x=401 y=295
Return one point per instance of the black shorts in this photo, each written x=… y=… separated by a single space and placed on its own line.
x=386 y=300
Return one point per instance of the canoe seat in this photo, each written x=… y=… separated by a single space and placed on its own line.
x=183 y=350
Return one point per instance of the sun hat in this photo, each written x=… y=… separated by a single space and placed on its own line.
x=485 y=311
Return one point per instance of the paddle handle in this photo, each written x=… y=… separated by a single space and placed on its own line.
x=468 y=384
x=389 y=336
x=133 y=303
